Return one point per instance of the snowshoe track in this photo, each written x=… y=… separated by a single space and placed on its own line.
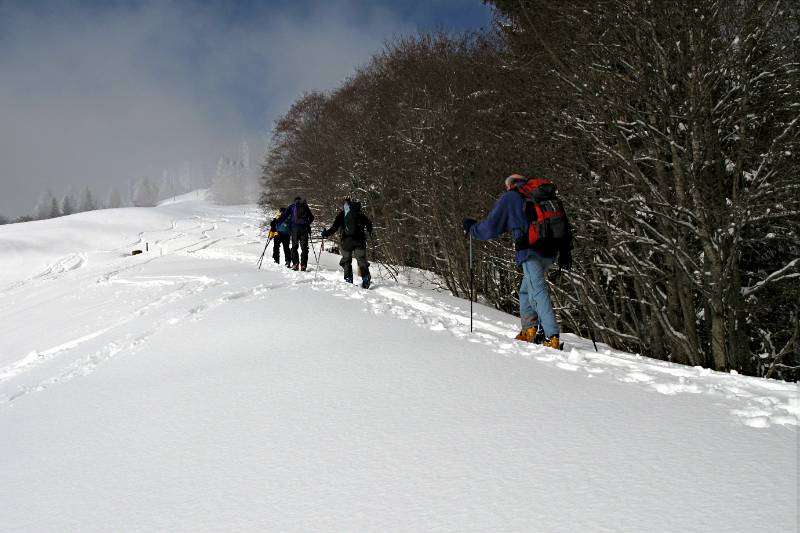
x=174 y=299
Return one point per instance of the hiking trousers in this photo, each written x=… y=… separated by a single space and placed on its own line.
x=535 y=306
x=360 y=254
x=281 y=240
x=300 y=239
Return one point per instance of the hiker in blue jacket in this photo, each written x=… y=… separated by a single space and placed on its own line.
x=535 y=308
x=300 y=218
x=281 y=236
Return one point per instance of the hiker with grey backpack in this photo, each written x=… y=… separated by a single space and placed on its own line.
x=531 y=211
x=353 y=226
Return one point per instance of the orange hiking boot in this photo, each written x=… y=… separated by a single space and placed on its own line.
x=552 y=342
x=526 y=335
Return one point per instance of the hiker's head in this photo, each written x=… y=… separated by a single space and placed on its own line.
x=513 y=180
x=297 y=199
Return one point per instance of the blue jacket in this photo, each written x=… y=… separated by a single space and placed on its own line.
x=508 y=214
x=282 y=228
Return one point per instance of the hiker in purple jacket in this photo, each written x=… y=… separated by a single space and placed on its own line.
x=300 y=218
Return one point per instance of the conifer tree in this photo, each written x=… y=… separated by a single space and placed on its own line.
x=87 y=200
x=67 y=205
x=43 y=206
x=145 y=194
x=55 y=211
x=114 y=200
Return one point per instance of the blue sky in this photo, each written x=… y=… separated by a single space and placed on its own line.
x=100 y=92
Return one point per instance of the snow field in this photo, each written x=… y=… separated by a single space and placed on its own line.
x=183 y=389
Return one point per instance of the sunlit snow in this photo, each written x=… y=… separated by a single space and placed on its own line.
x=183 y=389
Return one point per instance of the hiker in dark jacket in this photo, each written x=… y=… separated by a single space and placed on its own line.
x=535 y=307
x=280 y=235
x=300 y=218
x=352 y=222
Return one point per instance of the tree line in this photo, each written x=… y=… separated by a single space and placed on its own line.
x=670 y=128
x=142 y=193
x=49 y=206
x=233 y=183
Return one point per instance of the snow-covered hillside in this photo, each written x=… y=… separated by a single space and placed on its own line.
x=183 y=389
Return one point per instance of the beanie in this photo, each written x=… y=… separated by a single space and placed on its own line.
x=513 y=179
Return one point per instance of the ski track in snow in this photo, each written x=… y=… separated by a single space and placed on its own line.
x=76 y=261
x=54 y=271
x=184 y=286
x=758 y=403
x=130 y=343
x=63 y=265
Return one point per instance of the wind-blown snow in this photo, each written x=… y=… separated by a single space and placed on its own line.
x=183 y=389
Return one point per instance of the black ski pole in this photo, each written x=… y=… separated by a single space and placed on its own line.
x=471 y=281
x=321 y=248
x=261 y=259
x=583 y=311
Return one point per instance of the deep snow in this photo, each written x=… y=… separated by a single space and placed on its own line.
x=183 y=389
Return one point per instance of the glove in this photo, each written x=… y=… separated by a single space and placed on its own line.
x=272 y=226
x=565 y=260
x=468 y=223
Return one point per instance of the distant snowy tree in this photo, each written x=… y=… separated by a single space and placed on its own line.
x=67 y=205
x=43 y=206
x=223 y=187
x=234 y=181
x=244 y=152
x=55 y=211
x=114 y=199
x=145 y=194
x=3 y=220
x=88 y=202
x=185 y=178
x=167 y=187
x=131 y=191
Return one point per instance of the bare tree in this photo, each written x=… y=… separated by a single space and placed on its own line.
x=671 y=130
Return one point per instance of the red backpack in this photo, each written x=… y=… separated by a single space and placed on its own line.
x=548 y=228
